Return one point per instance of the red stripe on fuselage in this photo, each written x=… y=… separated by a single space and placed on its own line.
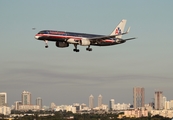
x=58 y=36
x=51 y=36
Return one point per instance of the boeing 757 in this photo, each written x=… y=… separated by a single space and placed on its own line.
x=62 y=39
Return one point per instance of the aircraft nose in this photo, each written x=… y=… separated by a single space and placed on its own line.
x=36 y=36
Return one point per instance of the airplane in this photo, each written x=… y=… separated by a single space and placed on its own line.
x=62 y=39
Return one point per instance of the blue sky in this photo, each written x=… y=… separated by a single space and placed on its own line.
x=64 y=77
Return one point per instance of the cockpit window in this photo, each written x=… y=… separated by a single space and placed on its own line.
x=43 y=32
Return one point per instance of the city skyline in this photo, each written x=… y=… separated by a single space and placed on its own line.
x=162 y=106
x=57 y=75
x=94 y=102
x=160 y=102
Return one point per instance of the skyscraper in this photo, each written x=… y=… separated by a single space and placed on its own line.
x=158 y=97
x=138 y=97
x=111 y=104
x=39 y=102
x=3 y=99
x=100 y=100
x=26 y=98
x=164 y=101
x=91 y=101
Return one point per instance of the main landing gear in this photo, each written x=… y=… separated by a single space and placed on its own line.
x=88 y=48
x=46 y=44
x=75 y=50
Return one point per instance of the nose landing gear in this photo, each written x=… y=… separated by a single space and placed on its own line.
x=46 y=44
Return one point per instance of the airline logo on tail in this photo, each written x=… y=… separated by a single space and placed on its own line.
x=118 y=31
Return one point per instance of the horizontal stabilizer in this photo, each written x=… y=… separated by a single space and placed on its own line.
x=129 y=38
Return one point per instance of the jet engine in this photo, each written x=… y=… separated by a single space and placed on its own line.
x=62 y=44
x=84 y=42
x=72 y=41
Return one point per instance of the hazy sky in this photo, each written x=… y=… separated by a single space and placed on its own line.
x=62 y=76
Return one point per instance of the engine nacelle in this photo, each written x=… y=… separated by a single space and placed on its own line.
x=84 y=42
x=62 y=44
x=72 y=41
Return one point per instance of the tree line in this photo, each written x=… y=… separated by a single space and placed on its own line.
x=63 y=115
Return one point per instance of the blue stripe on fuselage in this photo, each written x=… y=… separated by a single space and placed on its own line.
x=63 y=33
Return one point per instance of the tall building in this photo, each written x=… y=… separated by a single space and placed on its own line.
x=91 y=101
x=138 y=97
x=17 y=104
x=39 y=102
x=3 y=99
x=167 y=105
x=100 y=100
x=26 y=98
x=111 y=104
x=164 y=101
x=158 y=97
x=171 y=104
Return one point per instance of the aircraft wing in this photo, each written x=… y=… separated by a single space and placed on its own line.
x=105 y=37
x=108 y=37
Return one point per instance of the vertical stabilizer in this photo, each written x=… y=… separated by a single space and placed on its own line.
x=119 y=29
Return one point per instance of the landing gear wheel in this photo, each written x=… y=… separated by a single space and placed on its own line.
x=76 y=50
x=89 y=49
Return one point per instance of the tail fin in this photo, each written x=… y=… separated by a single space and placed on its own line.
x=119 y=29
